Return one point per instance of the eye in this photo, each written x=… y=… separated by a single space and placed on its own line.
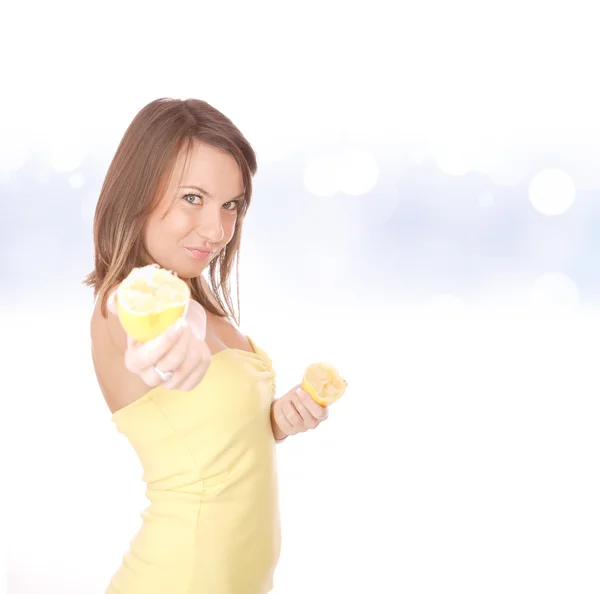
x=232 y=205
x=189 y=198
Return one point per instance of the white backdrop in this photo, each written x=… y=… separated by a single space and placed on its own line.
x=424 y=217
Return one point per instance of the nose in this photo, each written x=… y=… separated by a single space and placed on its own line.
x=210 y=226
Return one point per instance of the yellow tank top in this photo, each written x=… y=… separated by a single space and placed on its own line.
x=208 y=458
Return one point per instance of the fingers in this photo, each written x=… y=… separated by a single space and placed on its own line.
x=299 y=412
x=150 y=377
x=140 y=357
x=308 y=420
x=173 y=359
x=292 y=416
x=192 y=370
x=281 y=418
x=303 y=399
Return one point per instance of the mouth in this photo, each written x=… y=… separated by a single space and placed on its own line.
x=200 y=254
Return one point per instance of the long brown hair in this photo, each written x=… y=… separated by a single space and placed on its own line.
x=135 y=178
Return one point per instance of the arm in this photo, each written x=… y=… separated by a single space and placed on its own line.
x=126 y=369
x=118 y=384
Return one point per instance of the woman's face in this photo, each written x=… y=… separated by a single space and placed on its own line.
x=196 y=217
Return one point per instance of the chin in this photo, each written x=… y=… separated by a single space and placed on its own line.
x=184 y=266
x=190 y=271
x=186 y=271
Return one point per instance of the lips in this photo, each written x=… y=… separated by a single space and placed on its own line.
x=199 y=249
x=200 y=253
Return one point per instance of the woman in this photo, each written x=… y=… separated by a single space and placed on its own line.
x=199 y=409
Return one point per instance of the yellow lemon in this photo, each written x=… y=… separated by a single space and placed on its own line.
x=149 y=300
x=323 y=382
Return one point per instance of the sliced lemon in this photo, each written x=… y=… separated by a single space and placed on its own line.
x=149 y=300
x=323 y=382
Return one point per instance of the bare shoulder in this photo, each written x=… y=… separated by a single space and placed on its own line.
x=119 y=386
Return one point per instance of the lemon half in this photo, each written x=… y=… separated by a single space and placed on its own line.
x=149 y=300
x=323 y=382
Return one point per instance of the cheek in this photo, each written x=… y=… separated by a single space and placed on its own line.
x=229 y=223
x=173 y=228
x=179 y=223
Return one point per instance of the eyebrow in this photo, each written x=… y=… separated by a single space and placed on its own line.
x=208 y=194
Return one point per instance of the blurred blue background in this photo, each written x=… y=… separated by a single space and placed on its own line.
x=365 y=216
x=425 y=216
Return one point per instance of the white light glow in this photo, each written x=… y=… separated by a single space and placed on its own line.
x=320 y=176
x=65 y=155
x=357 y=173
x=552 y=192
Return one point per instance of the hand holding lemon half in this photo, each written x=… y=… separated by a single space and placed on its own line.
x=305 y=406
x=324 y=383
x=165 y=327
x=149 y=300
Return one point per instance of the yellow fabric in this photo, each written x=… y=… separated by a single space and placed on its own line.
x=208 y=456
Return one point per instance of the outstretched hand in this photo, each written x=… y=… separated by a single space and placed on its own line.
x=179 y=353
